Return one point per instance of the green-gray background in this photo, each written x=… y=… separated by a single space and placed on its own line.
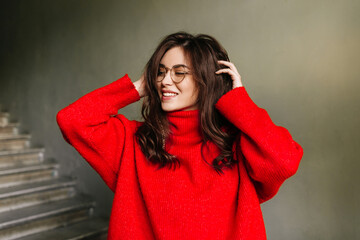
x=298 y=59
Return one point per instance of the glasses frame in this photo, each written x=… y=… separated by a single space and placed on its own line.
x=172 y=73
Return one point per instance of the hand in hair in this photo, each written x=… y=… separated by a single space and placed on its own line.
x=139 y=85
x=232 y=71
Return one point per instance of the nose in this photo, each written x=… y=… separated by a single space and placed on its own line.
x=167 y=79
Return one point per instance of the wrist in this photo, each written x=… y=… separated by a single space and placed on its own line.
x=237 y=84
x=139 y=87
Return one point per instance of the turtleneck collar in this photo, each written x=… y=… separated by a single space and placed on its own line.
x=184 y=127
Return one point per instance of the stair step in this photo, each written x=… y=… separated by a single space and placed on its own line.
x=35 y=219
x=36 y=193
x=9 y=130
x=14 y=142
x=28 y=156
x=4 y=118
x=34 y=202
x=93 y=228
x=28 y=173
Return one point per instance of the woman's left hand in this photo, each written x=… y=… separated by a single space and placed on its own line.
x=232 y=71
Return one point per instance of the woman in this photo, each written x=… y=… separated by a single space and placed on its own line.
x=202 y=161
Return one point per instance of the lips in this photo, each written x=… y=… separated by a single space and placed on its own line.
x=167 y=94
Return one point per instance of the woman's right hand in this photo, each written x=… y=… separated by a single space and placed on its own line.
x=140 y=86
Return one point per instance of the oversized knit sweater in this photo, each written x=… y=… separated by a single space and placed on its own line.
x=193 y=201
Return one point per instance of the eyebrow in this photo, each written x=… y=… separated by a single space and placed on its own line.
x=177 y=65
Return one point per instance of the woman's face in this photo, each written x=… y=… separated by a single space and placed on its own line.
x=177 y=96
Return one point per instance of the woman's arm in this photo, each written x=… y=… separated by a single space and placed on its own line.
x=270 y=154
x=91 y=125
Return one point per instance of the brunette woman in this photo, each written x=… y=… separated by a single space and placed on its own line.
x=202 y=161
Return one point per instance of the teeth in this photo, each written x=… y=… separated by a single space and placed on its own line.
x=169 y=94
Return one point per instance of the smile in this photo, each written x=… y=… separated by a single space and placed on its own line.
x=167 y=94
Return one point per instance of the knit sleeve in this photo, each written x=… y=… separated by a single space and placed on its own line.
x=270 y=154
x=91 y=125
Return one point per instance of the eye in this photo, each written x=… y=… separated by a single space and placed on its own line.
x=180 y=71
x=161 y=72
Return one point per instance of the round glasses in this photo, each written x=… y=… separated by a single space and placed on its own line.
x=177 y=73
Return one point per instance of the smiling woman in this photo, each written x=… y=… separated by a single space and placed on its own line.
x=199 y=84
x=223 y=153
x=177 y=90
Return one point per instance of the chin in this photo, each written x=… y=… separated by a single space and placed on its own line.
x=167 y=108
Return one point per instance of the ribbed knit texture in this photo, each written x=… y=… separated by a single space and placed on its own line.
x=192 y=201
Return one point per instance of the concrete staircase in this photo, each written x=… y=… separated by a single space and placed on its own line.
x=36 y=203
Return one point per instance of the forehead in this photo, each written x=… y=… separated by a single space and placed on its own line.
x=174 y=56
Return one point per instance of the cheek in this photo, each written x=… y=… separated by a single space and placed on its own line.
x=194 y=91
x=195 y=95
x=191 y=95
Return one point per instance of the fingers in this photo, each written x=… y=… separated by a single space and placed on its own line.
x=228 y=64
x=224 y=70
x=232 y=71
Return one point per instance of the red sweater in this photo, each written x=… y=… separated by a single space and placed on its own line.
x=193 y=201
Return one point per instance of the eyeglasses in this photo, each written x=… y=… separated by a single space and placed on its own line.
x=177 y=73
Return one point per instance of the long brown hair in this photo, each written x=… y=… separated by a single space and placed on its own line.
x=203 y=51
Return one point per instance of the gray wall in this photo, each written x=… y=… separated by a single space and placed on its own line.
x=298 y=60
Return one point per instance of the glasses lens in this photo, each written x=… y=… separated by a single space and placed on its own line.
x=178 y=74
x=161 y=74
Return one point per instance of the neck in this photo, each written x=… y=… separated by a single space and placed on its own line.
x=184 y=127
